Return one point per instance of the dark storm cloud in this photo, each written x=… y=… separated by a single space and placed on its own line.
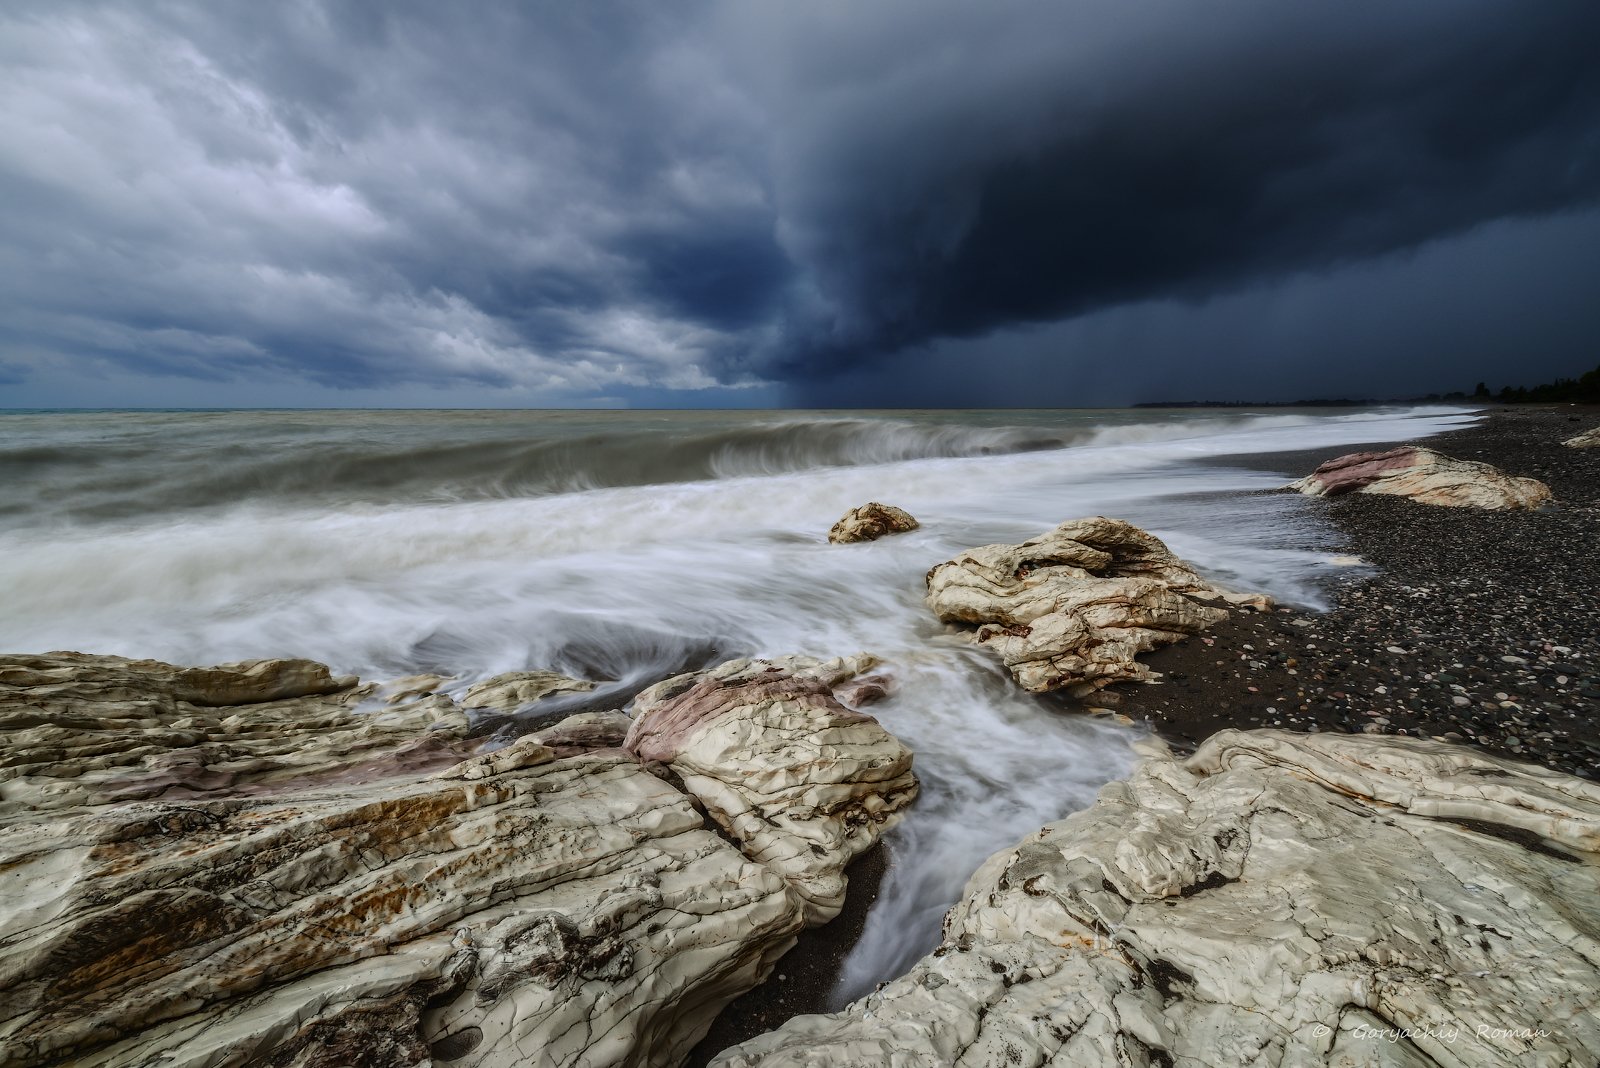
x=1027 y=162
x=572 y=200
x=1510 y=303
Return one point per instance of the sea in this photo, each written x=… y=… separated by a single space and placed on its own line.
x=626 y=546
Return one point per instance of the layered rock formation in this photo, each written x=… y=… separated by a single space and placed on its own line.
x=1589 y=439
x=559 y=901
x=515 y=689
x=90 y=730
x=1274 y=900
x=1072 y=608
x=804 y=783
x=1425 y=476
x=870 y=522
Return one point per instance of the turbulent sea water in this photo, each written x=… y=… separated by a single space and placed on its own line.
x=625 y=546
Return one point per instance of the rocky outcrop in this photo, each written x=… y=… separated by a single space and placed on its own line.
x=559 y=900
x=1073 y=608
x=515 y=689
x=89 y=730
x=1273 y=900
x=577 y=906
x=1425 y=476
x=870 y=522
x=1589 y=439
x=803 y=782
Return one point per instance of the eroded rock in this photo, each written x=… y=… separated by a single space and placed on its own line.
x=411 y=687
x=581 y=904
x=870 y=522
x=803 y=782
x=553 y=901
x=1274 y=900
x=586 y=730
x=65 y=676
x=83 y=729
x=1072 y=608
x=1425 y=476
x=509 y=692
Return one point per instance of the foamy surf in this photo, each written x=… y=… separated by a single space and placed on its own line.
x=622 y=546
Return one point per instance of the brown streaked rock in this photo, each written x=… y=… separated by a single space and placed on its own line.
x=870 y=522
x=304 y=894
x=578 y=906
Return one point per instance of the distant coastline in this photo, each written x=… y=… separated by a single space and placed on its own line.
x=1336 y=402
x=1585 y=389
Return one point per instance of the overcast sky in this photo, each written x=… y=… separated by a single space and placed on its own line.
x=917 y=202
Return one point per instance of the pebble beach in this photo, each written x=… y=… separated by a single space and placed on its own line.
x=1468 y=626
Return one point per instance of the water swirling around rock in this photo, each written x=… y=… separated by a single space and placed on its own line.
x=623 y=547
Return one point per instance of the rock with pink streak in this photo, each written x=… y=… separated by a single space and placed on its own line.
x=1425 y=476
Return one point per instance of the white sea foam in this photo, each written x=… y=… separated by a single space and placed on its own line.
x=634 y=580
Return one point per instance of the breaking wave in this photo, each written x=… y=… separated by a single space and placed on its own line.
x=124 y=465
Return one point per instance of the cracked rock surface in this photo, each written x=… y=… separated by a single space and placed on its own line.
x=559 y=901
x=1275 y=899
x=802 y=781
x=88 y=730
x=1074 y=607
x=1425 y=476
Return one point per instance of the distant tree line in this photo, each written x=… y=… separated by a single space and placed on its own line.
x=1583 y=389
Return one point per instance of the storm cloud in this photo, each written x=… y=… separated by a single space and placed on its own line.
x=836 y=203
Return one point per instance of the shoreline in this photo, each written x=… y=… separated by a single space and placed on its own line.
x=1208 y=680
x=1465 y=626
x=1468 y=626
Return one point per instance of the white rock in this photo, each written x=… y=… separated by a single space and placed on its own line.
x=1261 y=903
x=1073 y=607
x=1589 y=439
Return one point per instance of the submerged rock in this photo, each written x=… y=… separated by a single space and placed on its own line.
x=1275 y=899
x=509 y=692
x=1425 y=476
x=1072 y=608
x=1589 y=439
x=557 y=900
x=870 y=522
